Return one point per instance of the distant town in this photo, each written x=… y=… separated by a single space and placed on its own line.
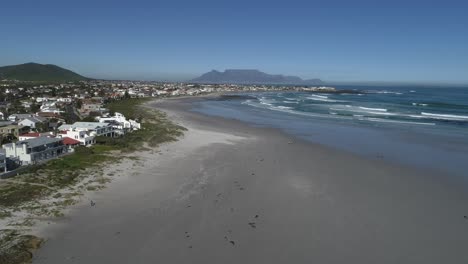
x=41 y=121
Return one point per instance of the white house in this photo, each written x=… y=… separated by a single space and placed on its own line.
x=64 y=100
x=123 y=123
x=50 y=107
x=94 y=128
x=81 y=135
x=32 y=151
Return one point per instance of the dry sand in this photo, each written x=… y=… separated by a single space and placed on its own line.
x=231 y=193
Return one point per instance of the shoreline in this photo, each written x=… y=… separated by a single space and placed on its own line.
x=229 y=192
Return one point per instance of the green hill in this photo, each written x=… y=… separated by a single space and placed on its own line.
x=38 y=72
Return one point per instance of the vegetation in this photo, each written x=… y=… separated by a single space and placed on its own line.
x=62 y=180
x=16 y=248
x=38 y=72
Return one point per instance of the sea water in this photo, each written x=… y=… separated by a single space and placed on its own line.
x=422 y=126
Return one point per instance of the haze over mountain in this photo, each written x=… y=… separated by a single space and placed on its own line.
x=38 y=72
x=251 y=77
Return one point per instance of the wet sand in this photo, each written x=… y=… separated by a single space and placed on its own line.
x=231 y=193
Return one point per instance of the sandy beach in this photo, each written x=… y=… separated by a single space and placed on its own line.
x=227 y=192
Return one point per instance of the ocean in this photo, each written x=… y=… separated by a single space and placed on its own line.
x=425 y=127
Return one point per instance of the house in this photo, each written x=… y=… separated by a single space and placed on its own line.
x=122 y=122
x=35 y=150
x=3 y=165
x=34 y=135
x=94 y=128
x=18 y=117
x=50 y=107
x=32 y=121
x=71 y=143
x=7 y=128
x=92 y=106
x=81 y=135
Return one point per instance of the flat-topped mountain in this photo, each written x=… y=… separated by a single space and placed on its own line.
x=252 y=77
x=38 y=72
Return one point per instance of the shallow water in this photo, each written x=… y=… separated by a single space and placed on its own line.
x=424 y=127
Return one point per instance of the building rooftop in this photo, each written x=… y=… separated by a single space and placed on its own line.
x=34 y=134
x=83 y=125
x=5 y=123
x=70 y=141
x=36 y=142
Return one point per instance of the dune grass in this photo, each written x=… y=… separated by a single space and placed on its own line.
x=65 y=173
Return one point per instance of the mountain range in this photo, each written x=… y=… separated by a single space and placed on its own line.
x=38 y=72
x=235 y=76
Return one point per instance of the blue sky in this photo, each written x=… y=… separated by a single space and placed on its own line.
x=396 y=41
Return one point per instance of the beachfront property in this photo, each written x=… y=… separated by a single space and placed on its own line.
x=81 y=136
x=94 y=128
x=71 y=143
x=3 y=166
x=119 y=121
x=35 y=150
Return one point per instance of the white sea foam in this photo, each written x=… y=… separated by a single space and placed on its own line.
x=445 y=116
x=373 y=109
x=290 y=102
x=265 y=101
x=282 y=107
x=419 y=104
x=365 y=110
x=385 y=92
x=399 y=122
x=322 y=98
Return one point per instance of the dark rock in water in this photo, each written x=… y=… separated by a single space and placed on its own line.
x=466 y=217
x=232 y=242
x=256 y=216
x=253 y=225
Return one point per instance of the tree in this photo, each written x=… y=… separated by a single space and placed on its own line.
x=42 y=126
x=35 y=108
x=9 y=138
x=79 y=103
